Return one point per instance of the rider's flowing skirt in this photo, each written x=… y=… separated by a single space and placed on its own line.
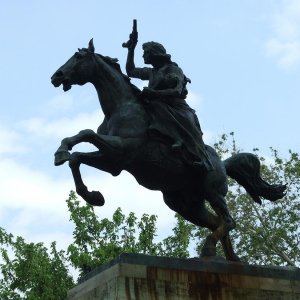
x=175 y=123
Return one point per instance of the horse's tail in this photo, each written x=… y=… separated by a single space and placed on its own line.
x=245 y=169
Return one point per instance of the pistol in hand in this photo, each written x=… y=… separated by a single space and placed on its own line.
x=133 y=37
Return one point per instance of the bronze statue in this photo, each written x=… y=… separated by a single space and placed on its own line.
x=171 y=118
x=154 y=135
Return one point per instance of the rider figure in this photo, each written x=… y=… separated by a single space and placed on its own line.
x=172 y=120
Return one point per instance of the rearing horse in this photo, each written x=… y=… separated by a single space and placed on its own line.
x=123 y=144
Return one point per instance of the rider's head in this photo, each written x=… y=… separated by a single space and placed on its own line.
x=155 y=53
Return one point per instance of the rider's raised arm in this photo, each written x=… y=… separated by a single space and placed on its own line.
x=132 y=71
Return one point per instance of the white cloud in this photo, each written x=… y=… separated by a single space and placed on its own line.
x=63 y=127
x=285 y=44
x=287 y=52
x=26 y=188
x=10 y=141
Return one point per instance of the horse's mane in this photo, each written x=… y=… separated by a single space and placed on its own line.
x=113 y=62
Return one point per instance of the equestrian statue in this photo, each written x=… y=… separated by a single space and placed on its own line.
x=155 y=136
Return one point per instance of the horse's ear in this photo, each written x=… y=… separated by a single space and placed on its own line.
x=91 y=47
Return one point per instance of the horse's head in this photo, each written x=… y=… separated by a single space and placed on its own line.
x=76 y=70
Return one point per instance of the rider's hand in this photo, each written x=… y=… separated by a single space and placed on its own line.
x=131 y=43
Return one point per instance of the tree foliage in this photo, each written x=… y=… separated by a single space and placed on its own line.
x=31 y=271
x=265 y=234
x=99 y=241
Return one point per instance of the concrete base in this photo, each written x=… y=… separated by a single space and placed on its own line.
x=141 y=277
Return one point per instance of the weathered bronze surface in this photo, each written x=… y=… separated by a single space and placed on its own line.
x=154 y=135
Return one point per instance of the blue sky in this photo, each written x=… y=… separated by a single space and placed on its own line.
x=243 y=58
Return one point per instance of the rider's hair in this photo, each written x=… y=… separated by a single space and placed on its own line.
x=158 y=51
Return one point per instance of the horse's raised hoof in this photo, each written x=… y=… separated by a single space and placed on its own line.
x=94 y=198
x=60 y=157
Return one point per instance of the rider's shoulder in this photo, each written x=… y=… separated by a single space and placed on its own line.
x=173 y=68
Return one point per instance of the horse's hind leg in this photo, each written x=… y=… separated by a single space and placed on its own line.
x=228 y=248
x=194 y=210
x=221 y=233
x=202 y=217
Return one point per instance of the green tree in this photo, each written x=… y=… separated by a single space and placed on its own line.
x=99 y=241
x=267 y=233
x=31 y=271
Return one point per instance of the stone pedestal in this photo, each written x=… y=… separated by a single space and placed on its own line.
x=141 y=277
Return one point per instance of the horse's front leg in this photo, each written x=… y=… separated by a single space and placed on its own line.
x=93 y=198
x=62 y=154
x=94 y=159
x=112 y=145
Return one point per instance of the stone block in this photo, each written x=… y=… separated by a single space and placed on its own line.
x=142 y=277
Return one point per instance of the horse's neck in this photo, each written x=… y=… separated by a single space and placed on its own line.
x=112 y=88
